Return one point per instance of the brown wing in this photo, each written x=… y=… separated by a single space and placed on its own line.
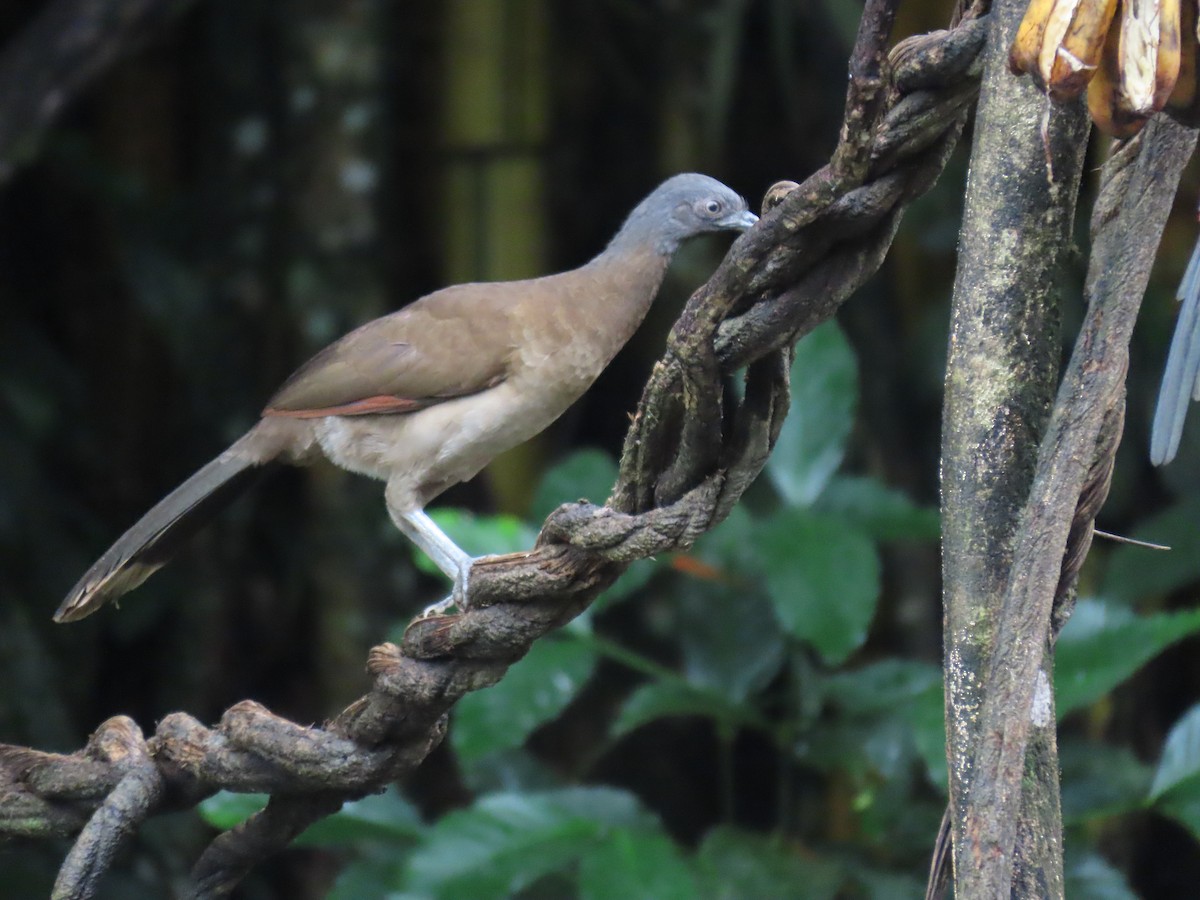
x=451 y=343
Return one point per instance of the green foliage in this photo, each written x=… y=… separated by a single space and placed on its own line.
x=380 y=817
x=1176 y=787
x=1092 y=877
x=1099 y=781
x=505 y=842
x=660 y=699
x=735 y=864
x=813 y=440
x=1135 y=572
x=757 y=634
x=1103 y=644
x=823 y=578
x=535 y=690
x=633 y=862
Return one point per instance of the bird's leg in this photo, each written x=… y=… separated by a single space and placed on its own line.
x=446 y=555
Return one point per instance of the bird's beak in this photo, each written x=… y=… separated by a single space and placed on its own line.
x=738 y=221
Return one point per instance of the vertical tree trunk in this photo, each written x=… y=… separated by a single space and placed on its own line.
x=1025 y=168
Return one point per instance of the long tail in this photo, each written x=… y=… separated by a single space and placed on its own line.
x=147 y=546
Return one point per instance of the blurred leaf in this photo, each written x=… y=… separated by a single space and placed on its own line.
x=1176 y=788
x=535 y=690
x=509 y=770
x=823 y=577
x=225 y=809
x=813 y=440
x=876 y=721
x=734 y=865
x=640 y=572
x=371 y=878
x=887 y=885
x=385 y=817
x=1091 y=876
x=1136 y=572
x=881 y=686
x=584 y=475
x=639 y=862
x=731 y=641
x=1100 y=780
x=1180 y=764
x=884 y=513
x=1103 y=644
x=381 y=817
x=506 y=842
x=660 y=699
x=478 y=535
x=864 y=748
x=926 y=715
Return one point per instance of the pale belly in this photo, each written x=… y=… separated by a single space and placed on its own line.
x=423 y=453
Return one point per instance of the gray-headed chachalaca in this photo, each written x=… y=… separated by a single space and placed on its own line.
x=425 y=397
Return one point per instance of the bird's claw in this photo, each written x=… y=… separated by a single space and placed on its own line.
x=458 y=594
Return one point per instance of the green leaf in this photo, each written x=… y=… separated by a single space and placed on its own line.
x=1136 y=572
x=882 y=512
x=381 y=817
x=371 y=878
x=1103 y=644
x=660 y=699
x=535 y=690
x=640 y=862
x=887 y=885
x=730 y=640
x=1176 y=788
x=584 y=475
x=385 y=817
x=1099 y=780
x=881 y=686
x=478 y=535
x=506 y=842
x=225 y=809
x=823 y=577
x=813 y=440
x=1183 y=805
x=734 y=865
x=877 y=747
x=926 y=715
x=1093 y=877
x=880 y=716
x=1180 y=763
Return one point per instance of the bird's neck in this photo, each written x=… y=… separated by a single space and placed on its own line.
x=646 y=227
x=629 y=276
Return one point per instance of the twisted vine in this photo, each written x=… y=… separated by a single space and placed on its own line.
x=686 y=461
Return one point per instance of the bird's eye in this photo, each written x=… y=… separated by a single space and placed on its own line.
x=713 y=207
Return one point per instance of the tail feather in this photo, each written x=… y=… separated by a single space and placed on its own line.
x=1181 y=378
x=155 y=537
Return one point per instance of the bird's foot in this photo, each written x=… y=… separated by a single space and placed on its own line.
x=441 y=608
x=458 y=594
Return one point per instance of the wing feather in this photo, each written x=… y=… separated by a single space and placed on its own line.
x=451 y=343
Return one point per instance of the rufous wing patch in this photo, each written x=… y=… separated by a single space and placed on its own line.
x=368 y=406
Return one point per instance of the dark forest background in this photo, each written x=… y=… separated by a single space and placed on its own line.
x=254 y=178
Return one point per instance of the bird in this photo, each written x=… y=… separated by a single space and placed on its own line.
x=1181 y=377
x=424 y=397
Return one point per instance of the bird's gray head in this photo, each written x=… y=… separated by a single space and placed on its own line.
x=680 y=207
